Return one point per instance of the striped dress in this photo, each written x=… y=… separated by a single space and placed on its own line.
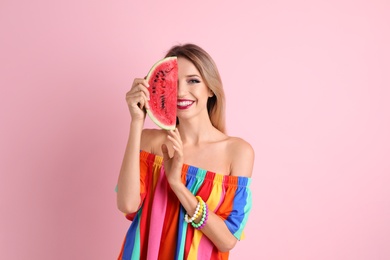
x=158 y=229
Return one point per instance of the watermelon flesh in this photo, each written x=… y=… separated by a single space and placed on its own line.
x=162 y=79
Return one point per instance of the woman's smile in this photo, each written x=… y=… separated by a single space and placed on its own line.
x=184 y=103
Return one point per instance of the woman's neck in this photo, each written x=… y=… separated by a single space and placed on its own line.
x=195 y=132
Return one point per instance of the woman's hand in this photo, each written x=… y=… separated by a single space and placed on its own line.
x=137 y=99
x=173 y=165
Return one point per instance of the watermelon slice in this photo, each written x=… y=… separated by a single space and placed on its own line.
x=162 y=79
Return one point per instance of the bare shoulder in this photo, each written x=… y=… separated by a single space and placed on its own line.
x=152 y=139
x=152 y=132
x=239 y=145
x=242 y=157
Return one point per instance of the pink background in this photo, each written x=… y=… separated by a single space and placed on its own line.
x=307 y=84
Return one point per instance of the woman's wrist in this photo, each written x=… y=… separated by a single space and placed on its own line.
x=137 y=123
x=176 y=185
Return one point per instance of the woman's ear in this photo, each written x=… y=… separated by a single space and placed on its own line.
x=211 y=93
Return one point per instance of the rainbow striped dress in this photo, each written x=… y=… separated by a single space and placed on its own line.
x=158 y=229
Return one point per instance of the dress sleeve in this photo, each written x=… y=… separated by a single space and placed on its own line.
x=144 y=180
x=236 y=205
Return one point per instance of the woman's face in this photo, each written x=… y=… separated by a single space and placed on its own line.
x=192 y=93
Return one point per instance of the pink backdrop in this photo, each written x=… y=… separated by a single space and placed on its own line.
x=307 y=84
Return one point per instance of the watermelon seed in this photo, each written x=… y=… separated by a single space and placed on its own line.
x=162 y=102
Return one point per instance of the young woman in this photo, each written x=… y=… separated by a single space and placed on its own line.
x=186 y=191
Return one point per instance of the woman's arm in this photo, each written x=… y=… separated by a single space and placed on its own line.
x=215 y=228
x=128 y=195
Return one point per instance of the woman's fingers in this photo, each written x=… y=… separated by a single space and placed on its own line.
x=140 y=89
x=140 y=81
x=140 y=99
x=164 y=150
x=175 y=143
x=140 y=85
x=138 y=95
x=175 y=134
x=174 y=137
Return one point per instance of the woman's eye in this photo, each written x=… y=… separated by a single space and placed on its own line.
x=193 y=81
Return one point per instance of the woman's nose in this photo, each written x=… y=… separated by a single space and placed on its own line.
x=181 y=89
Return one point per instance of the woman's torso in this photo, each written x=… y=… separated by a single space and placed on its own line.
x=202 y=155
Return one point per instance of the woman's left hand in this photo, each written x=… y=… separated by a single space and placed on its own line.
x=173 y=165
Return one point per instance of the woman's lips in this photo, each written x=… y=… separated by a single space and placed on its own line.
x=184 y=104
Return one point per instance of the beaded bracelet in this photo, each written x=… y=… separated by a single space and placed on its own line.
x=198 y=211
x=204 y=218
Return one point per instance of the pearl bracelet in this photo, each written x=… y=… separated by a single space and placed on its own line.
x=204 y=218
x=198 y=211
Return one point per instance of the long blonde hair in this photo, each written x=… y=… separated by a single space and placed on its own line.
x=210 y=75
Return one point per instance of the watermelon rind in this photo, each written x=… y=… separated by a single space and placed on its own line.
x=157 y=122
x=149 y=111
x=158 y=64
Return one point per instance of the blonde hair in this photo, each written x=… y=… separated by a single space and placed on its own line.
x=210 y=75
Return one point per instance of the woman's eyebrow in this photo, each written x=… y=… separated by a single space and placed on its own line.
x=193 y=75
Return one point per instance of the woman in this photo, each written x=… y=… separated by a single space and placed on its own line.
x=186 y=190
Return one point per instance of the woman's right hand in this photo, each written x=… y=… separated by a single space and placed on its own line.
x=137 y=99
